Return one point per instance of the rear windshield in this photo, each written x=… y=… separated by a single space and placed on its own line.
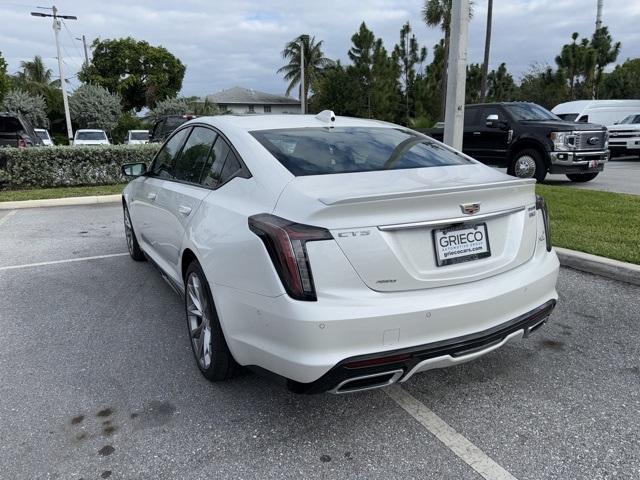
x=43 y=134
x=10 y=124
x=323 y=150
x=139 y=135
x=91 y=136
x=569 y=117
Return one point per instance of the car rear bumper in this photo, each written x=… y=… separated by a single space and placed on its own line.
x=578 y=162
x=303 y=341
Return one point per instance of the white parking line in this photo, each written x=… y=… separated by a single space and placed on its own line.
x=7 y=216
x=55 y=262
x=458 y=444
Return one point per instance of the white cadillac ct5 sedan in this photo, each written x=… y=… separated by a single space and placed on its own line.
x=338 y=254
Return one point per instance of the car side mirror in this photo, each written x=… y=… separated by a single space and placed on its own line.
x=493 y=121
x=134 y=169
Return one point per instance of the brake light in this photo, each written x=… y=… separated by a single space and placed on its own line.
x=542 y=206
x=286 y=242
x=22 y=143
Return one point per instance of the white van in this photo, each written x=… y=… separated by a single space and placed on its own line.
x=603 y=112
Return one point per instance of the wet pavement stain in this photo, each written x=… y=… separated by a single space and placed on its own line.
x=110 y=430
x=552 y=344
x=105 y=474
x=325 y=458
x=106 y=450
x=77 y=419
x=81 y=436
x=105 y=412
x=155 y=414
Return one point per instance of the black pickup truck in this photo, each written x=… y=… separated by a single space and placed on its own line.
x=531 y=141
x=16 y=131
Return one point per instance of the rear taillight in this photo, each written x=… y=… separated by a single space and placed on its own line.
x=22 y=143
x=286 y=242
x=542 y=206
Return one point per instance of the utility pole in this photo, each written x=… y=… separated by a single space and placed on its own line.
x=86 y=52
x=303 y=97
x=599 y=15
x=457 y=77
x=56 y=31
x=487 y=48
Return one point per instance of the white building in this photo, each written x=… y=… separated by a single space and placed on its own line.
x=246 y=100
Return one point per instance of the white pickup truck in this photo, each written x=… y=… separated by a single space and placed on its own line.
x=624 y=136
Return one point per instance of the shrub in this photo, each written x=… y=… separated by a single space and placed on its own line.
x=170 y=106
x=63 y=166
x=95 y=107
x=33 y=107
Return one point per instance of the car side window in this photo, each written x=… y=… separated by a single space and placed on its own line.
x=471 y=117
x=194 y=154
x=164 y=164
x=583 y=119
x=215 y=162
x=231 y=166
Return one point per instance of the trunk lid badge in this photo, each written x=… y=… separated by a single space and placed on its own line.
x=470 y=208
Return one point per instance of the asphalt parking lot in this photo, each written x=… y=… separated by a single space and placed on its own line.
x=621 y=175
x=98 y=381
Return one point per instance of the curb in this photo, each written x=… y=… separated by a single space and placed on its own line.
x=605 y=267
x=60 y=202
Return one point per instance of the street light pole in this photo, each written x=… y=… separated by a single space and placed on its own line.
x=599 y=15
x=63 y=87
x=86 y=52
x=457 y=74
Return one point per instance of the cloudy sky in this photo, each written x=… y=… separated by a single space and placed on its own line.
x=227 y=43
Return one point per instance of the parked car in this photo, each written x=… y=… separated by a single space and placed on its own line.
x=44 y=136
x=163 y=127
x=624 y=136
x=137 y=137
x=16 y=131
x=88 y=136
x=602 y=112
x=338 y=254
x=531 y=141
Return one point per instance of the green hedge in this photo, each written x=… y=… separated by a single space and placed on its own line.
x=62 y=166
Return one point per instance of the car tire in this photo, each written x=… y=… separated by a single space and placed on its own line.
x=207 y=340
x=528 y=163
x=582 y=177
x=132 y=242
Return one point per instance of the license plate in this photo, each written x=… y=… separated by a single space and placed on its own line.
x=461 y=244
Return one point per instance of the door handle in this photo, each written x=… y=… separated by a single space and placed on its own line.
x=184 y=210
x=152 y=196
x=477 y=133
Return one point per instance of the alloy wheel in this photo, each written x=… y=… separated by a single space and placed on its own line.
x=198 y=320
x=525 y=167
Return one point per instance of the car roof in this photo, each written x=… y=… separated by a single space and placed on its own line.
x=89 y=130
x=138 y=130
x=249 y=123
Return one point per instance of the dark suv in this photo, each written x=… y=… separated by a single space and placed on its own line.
x=531 y=141
x=163 y=127
x=16 y=131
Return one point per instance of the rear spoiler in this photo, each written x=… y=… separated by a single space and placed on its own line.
x=344 y=200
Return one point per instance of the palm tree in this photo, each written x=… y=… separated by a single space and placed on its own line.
x=314 y=62
x=35 y=71
x=487 y=48
x=438 y=13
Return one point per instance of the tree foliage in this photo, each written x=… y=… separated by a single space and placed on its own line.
x=142 y=74
x=93 y=106
x=624 y=81
x=314 y=62
x=32 y=107
x=4 y=79
x=170 y=106
x=544 y=85
x=35 y=71
x=408 y=53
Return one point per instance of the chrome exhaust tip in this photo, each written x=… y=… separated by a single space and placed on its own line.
x=367 y=382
